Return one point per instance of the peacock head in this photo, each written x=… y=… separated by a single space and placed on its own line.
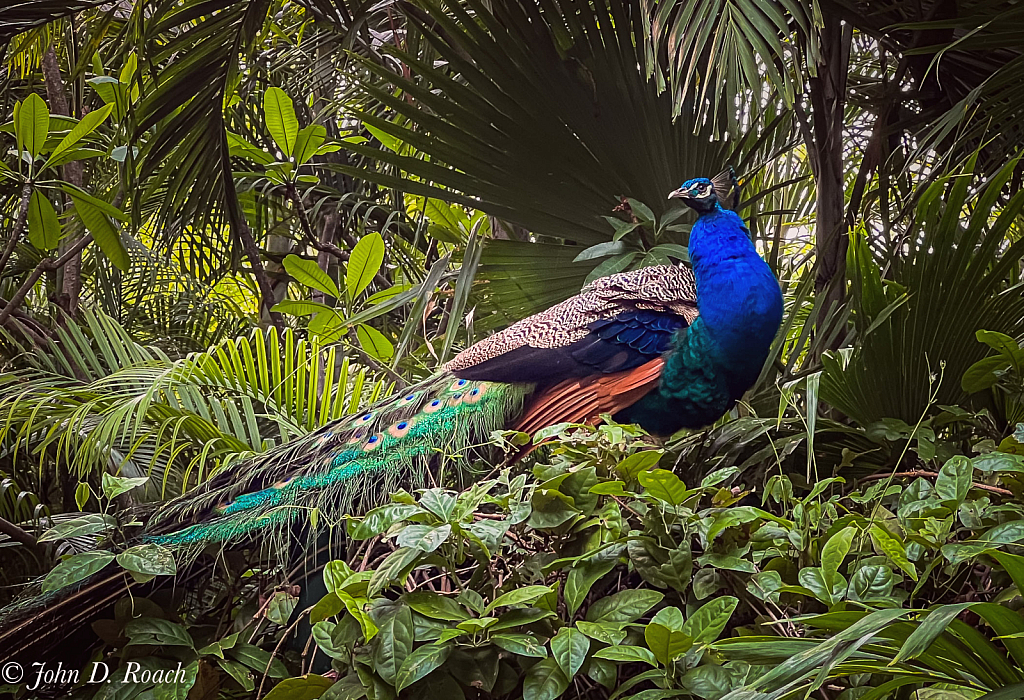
x=698 y=194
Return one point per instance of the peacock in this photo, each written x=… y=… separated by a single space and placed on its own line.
x=666 y=347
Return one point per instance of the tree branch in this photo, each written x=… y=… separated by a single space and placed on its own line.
x=19 y=225
x=16 y=533
x=45 y=265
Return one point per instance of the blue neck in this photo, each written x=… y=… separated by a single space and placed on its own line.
x=738 y=296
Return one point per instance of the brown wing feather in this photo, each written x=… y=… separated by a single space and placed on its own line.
x=669 y=288
x=584 y=399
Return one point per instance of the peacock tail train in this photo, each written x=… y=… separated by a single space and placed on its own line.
x=345 y=467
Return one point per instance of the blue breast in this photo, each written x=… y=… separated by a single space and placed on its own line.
x=719 y=357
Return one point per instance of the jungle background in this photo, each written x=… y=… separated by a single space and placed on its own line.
x=228 y=222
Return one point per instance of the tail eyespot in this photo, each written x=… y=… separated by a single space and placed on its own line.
x=458 y=384
x=455 y=400
x=433 y=406
x=475 y=394
x=372 y=443
x=400 y=429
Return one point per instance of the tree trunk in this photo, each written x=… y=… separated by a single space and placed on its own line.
x=71 y=274
x=828 y=102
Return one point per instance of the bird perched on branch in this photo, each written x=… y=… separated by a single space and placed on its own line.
x=666 y=347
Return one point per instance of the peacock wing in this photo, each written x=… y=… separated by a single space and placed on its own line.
x=616 y=324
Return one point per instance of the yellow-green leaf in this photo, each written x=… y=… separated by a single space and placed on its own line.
x=33 y=124
x=90 y=122
x=374 y=342
x=364 y=263
x=279 y=112
x=43 y=225
x=103 y=232
x=307 y=272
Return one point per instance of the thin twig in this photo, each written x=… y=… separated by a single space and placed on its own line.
x=922 y=473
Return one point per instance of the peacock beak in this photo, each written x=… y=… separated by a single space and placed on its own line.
x=678 y=194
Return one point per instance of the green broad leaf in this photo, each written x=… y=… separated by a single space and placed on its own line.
x=671 y=617
x=1000 y=342
x=301 y=307
x=667 y=644
x=811 y=578
x=520 y=617
x=641 y=210
x=375 y=343
x=435 y=606
x=308 y=142
x=708 y=621
x=425 y=538
x=420 y=663
x=521 y=644
x=355 y=607
x=82 y=494
x=626 y=653
x=308 y=273
x=624 y=606
x=364 y=263
x=88 y=524
x=954 y=480
x=664 y=485
x=394 y=644
x=217 y=647
x=609 y=488
x=32 y=124
x=569 y=648
x=238 y=146
x=394 y=568
x=983 y=374
x=519 y=596
x=258 y=660
x=603 y=671
x=607 y=632
x=323 y=635
x=89 y=123
x=104 y=206
x=148 y=560
x=279 y=112
x=240 y=673
x=602 y=250
x=280 y=608
x=308 y=687
x=638 y=462
x=544 y=681
x=582 y=576
x=834 y=552
x=380 y=519
x=328 y=606
x=114 y=486
x=154 y=631
x=43 y=225
x=103 y=232
x=893 y=548
x=611 y=266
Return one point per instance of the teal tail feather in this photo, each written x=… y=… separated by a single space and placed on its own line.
x=345 y=467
